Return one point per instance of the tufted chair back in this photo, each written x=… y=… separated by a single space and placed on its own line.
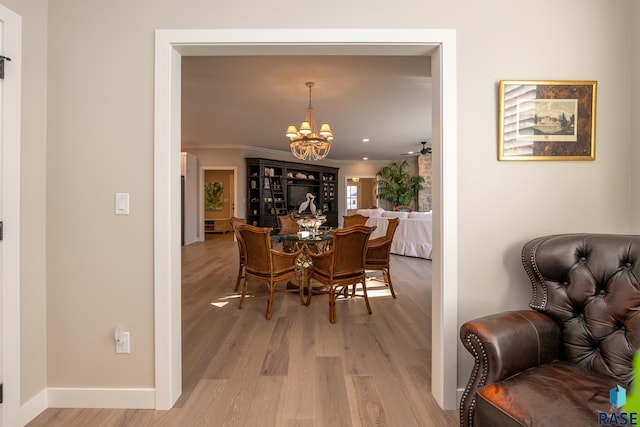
x=590 y=284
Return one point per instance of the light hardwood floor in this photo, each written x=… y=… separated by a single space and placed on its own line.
x=296 y=369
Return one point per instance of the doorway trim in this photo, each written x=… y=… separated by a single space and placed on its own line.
x=170 y=45
x=346 y=184
x=11 y=119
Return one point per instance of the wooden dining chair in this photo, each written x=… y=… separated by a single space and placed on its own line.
x=288 y=225
x=265 y=264
x=378 y=254
x=235 y=222
x=343 y=264
x=355 y=219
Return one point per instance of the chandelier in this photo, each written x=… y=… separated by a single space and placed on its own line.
x=308 y=143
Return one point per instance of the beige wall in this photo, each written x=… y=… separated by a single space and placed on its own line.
x=504 y=204
x=635 y=110
x=99 y=98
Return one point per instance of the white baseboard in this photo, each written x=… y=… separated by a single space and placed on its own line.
x=116 y=398
x=33 y=407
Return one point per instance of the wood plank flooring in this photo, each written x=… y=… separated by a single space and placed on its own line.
x=296 y=369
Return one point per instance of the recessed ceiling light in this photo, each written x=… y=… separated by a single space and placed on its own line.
x=365 y=140
x=365 y=158
x=409 y=152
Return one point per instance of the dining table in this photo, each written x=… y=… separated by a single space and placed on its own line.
x=306 y=241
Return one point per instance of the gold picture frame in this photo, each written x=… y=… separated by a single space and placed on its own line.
x=547 y=120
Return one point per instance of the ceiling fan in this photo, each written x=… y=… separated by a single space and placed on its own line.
x=424 y=149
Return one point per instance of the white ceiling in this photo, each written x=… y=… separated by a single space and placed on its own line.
x=250 y=101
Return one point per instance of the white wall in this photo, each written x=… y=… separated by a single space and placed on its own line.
x=100 y=107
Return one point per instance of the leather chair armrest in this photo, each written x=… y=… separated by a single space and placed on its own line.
x=502 y=345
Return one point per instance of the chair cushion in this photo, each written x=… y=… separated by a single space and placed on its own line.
x=555 y=394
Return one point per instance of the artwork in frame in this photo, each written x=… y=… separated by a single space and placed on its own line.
x=213 y=196
x=547 y=120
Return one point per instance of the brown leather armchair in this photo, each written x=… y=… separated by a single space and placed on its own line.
x=556 y=364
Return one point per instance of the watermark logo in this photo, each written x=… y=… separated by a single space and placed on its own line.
x=617 y=398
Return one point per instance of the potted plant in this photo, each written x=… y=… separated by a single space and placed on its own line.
x=397 y=186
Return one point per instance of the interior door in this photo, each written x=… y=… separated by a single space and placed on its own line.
x=10 y=120
x=2 y=342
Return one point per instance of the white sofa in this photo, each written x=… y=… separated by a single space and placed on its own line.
x=413 y=235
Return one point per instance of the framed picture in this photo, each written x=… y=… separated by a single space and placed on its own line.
x=213 y=196
x=547 y=120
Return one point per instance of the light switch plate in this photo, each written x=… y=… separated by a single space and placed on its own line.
x=122 y=203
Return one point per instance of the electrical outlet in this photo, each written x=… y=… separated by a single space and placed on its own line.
x=123 y=342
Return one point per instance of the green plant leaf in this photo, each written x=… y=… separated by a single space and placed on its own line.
x=397 y=186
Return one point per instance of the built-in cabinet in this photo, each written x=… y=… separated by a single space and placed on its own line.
x=220 y=225
x=276 y=188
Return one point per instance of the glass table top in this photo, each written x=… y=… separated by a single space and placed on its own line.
x=320 y=236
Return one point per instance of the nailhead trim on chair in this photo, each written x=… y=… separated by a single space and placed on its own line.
x=538 y=275
x=471 y=341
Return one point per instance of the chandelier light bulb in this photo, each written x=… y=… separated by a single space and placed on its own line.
x=292 y=132
x=305 y=128
x=325 y=130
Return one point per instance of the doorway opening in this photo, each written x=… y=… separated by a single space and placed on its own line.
x=171 y=45
x=360 y=192
x=216 y=212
